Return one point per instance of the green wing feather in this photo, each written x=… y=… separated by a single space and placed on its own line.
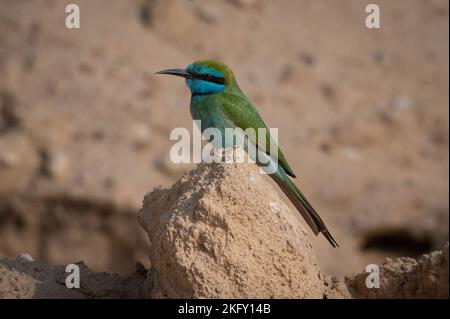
x=238 y=109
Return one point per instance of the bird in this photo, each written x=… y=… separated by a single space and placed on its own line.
x=218 y=102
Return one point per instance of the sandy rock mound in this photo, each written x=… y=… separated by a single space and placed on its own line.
x=222 y=231
x=25 y=278
x=426 y=277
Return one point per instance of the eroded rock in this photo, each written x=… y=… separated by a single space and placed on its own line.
x=34 y=280
x=222 y=231
x=425 y=277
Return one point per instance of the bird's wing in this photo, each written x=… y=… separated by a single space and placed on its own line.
x=238 y=109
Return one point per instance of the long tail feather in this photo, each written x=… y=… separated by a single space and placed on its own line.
x=304 y=207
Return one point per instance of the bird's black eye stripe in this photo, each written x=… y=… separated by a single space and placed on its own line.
x=210 y=78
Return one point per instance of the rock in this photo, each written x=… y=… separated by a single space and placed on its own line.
x=336 y=288
x=24 y=258
x=426 y=277
x=222 y=231
x=36 y=280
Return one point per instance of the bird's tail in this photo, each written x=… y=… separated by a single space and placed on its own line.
x=303 y=206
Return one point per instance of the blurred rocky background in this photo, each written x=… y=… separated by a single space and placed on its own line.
x=84 y=123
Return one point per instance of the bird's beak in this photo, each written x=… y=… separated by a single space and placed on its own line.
x=177 y=72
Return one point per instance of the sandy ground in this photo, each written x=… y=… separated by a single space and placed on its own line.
x=84 y=123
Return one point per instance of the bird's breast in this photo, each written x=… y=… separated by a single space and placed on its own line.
x=208 y=110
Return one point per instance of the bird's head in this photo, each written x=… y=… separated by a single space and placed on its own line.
x=205 y=77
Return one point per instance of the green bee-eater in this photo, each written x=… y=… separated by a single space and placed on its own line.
x=218 y=102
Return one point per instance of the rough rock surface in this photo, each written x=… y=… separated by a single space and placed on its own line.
x=24 y=278
x=426 y=277
x=222 y=231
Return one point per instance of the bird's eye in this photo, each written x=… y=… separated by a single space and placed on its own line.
x=211 y=78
